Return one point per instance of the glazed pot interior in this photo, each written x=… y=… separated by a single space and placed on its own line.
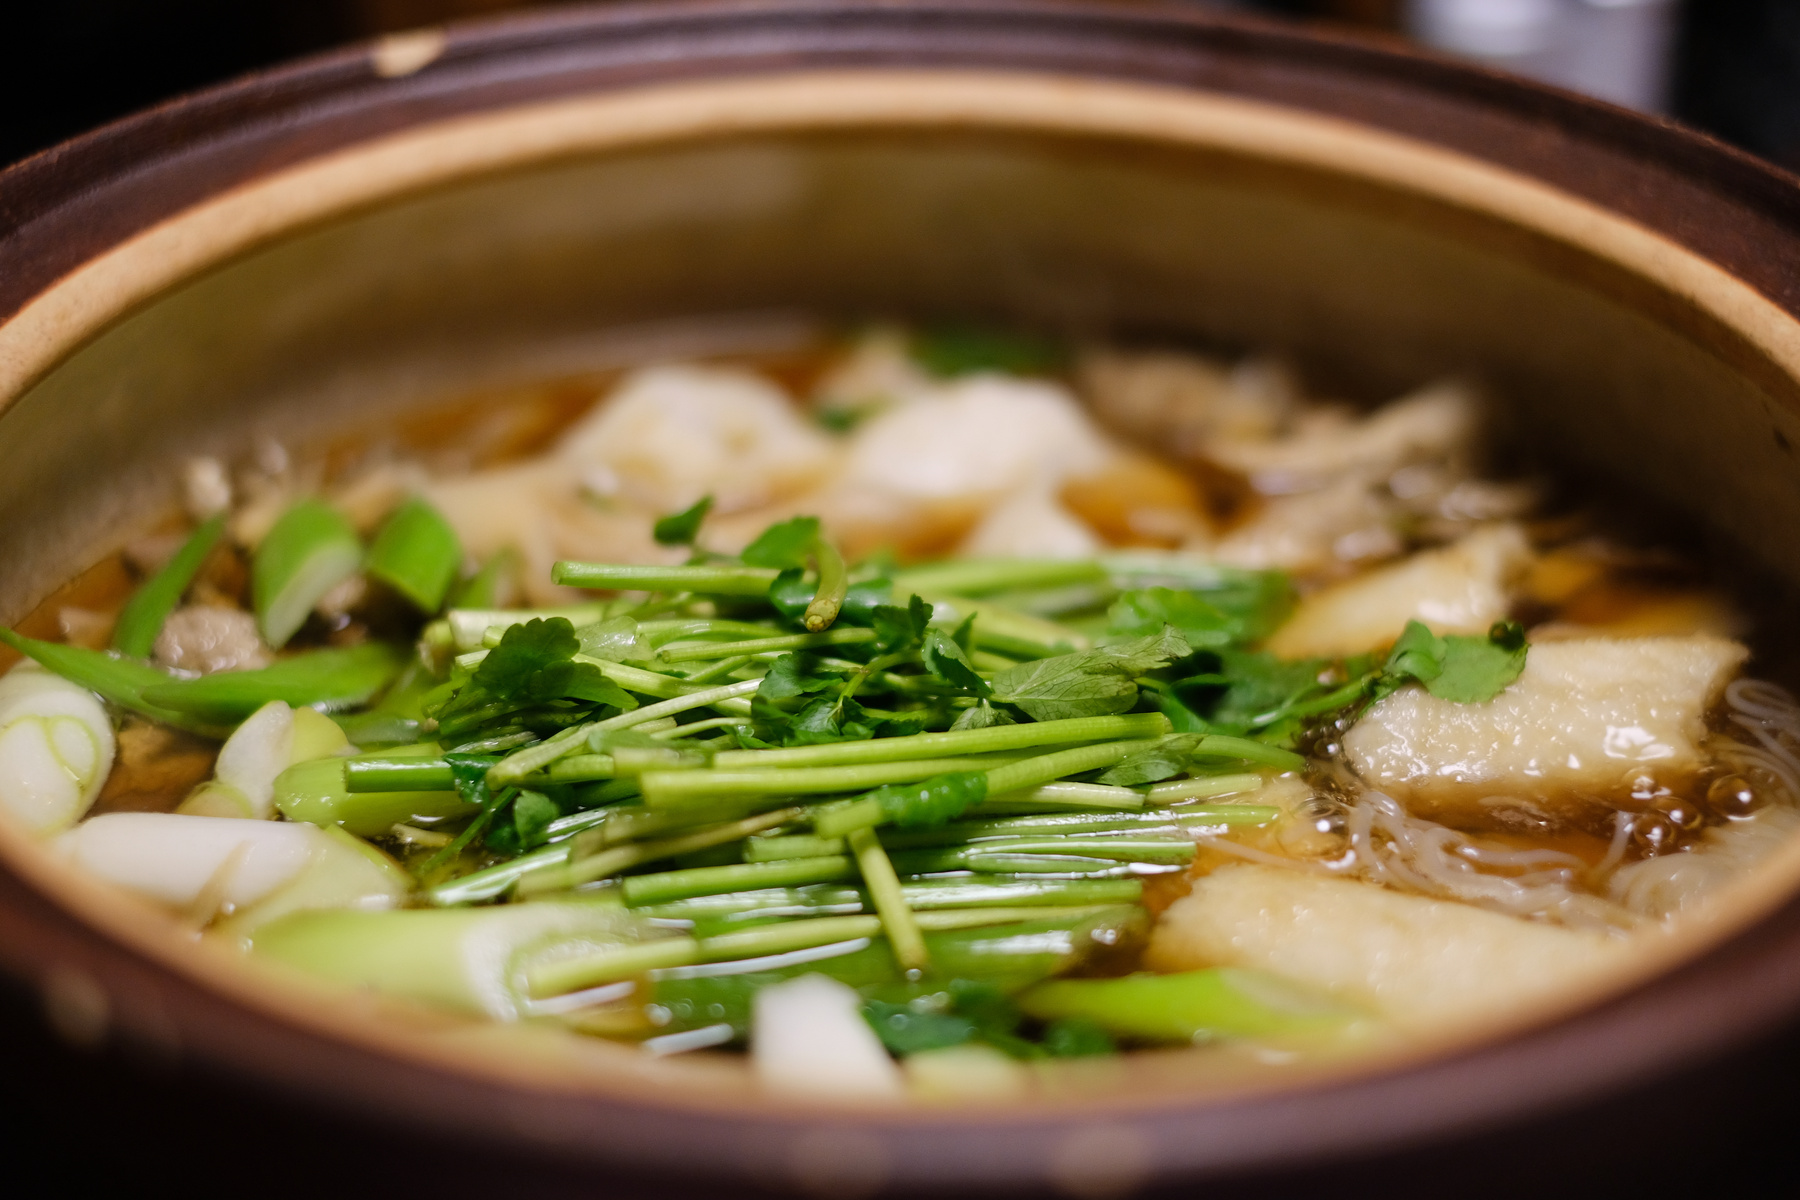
x=737 y=242
x=729 y=240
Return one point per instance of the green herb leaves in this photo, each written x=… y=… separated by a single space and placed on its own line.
x=1465 y=670
x=680 y=529
x=783 y=545
x=534 y=663
x=1095 y=682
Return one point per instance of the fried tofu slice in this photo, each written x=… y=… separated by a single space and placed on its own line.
x=1586 y=719
x=1418 y=961
x=1462 y=588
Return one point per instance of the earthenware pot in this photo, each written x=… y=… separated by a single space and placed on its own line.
x=393 y=223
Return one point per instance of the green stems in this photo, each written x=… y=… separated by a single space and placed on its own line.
x=496 y=880
x=619 y=858
x=1045 y=768
x=417 y=554
x=973 y=576
x=741 y=877
x=468 y=626
x=517 y=765
x=309 y=551
x=650 y=683
x=1198 y=789
x=834 y=585
x=1249 y=750
x=143 y=615
x=1061 y=796
x=686 y=787
x=890 y=904
x=793 y=641
x=707 y=698
x=712 y=581
x=960 y=742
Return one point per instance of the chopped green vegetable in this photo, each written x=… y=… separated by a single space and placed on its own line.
x=1189 y=1006
x=143 y=615
x=123 y=681
x=417 y=554
x=338 y=678
x=309 y=551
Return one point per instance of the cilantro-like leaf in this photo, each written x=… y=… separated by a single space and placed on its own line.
x=931 y=803
x=784 y=544
x=898 y=628
x=945 y=659
x=827 y=720
x=1165 y=760
x=798 y=674
x=1148 y=609
x=531 y=662
x=585 y=682
x=680 y=529
x=1458 y=668
x=1089 y=683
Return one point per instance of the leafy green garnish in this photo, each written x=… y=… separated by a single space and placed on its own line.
x=784 y=544
x=1089 y=683
x=961 y=350
x=898 y=629
x=1458 y=668
x=534 y=662
x=680 y=529
x=945 y=658
x=982 y=716
x=1210 y=620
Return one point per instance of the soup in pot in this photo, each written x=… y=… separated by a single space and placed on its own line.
x=912 y=710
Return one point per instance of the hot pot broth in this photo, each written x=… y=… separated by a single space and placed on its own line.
x=945 y=701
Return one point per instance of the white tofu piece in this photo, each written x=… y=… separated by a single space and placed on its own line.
x=672 y=434
x=978 y=438
x=1031 y=524
x=1462 y=588
x=1584 y=718
x=1413 y=959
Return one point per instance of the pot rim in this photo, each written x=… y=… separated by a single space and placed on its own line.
x=1544 y=1066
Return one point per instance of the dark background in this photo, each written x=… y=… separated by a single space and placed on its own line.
x=69 y=65
x=84 y=1118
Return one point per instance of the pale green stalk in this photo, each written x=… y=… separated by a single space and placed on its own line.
x=1198 y=789
x=689 y=652
x=890 y=905
x=959 y=742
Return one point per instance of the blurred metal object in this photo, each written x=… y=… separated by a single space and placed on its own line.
x=1616 y=50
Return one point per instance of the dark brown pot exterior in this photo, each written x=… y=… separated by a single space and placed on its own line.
x=62 y=208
